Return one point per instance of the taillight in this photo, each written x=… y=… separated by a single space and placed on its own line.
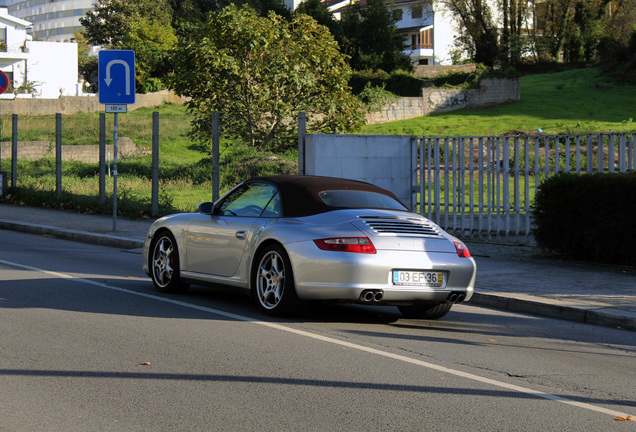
x=346 y=244
x=462 y=250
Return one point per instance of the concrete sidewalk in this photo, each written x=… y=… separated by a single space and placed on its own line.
x=509 y=277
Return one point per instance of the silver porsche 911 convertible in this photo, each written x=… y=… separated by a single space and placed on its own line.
x=290 y=239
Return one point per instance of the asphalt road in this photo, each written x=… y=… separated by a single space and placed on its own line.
x=87 y=344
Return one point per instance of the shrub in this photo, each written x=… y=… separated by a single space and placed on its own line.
x=376 y=98
x=472 y=79
x=400 y=83
x=588 y=217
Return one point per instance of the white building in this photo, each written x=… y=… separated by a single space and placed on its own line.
x=427 y=28
x=53 y=20
x=35 y=68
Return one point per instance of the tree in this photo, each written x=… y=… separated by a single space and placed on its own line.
x=151 y=42
x=476 y=18
x=194 y=9
x=140 y=25
x=369 y=36
x=318 y=11
x=110 y=20
x=259 y=72
x=87 y=65
x=583 y=30
x=515 y=25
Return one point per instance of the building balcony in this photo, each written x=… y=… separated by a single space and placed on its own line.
x=419 y=51
x=13 y=51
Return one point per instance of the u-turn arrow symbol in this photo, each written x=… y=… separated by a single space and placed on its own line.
x=108 y=79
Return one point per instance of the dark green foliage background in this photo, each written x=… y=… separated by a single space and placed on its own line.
x=589 y=217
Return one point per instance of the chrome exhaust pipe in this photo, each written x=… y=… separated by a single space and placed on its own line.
x=461 y=298
x=452 y=298
x=367 y=296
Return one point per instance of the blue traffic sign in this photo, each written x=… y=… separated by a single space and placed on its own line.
x=116 y=77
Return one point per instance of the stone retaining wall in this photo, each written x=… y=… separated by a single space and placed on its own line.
x=438 y=100
x=34 y=150
x=74 y=104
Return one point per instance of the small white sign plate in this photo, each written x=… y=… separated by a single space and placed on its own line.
x=116 y=108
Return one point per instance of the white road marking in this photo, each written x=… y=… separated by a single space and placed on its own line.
x=327 y=339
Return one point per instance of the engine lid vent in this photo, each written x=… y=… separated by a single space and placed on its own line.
x=401 y=226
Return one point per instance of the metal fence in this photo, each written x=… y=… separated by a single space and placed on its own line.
x=484 y=186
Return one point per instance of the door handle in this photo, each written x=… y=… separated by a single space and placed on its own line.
x=241 y=235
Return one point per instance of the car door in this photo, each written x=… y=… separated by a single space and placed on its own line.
x=216 y=245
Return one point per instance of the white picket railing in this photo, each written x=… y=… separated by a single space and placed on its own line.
x=484 y=186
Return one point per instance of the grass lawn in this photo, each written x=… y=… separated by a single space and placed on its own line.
x=570 y=102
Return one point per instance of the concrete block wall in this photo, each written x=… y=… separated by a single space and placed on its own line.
x=439 y=100
x=74 y=104
x=492 y=91
x=34 y=150
x=405 y=108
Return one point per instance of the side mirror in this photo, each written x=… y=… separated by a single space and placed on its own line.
x=206 y=208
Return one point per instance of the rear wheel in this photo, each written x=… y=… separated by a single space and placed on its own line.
x=273 y=282
x=164 y=263
x=425 y=310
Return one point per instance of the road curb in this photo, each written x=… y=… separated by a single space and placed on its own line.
x=533 y=305
x=74 y=235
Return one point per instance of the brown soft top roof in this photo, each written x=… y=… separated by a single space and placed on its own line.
x=300 y=194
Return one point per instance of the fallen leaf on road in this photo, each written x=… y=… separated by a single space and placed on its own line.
x=144 y=364
x=628 y=418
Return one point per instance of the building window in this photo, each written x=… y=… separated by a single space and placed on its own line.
x=398 y=14
x=423 y=61
x=422 y=40
x=9 y=81
x=3 y=39
x=426 y=38
x=416 y=11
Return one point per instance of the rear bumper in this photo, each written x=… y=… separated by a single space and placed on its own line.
x=327 y=275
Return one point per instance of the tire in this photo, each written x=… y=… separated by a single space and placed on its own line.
x=273 y=286
x=164 y=264
x=425 y=310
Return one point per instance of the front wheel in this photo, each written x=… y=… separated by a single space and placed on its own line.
x=273 y=282
x=425 y=311
x=164 y=263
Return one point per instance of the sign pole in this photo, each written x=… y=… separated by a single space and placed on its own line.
x=4 y=84
x=115 y=175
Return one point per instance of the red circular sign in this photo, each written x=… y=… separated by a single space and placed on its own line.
x=4 y=82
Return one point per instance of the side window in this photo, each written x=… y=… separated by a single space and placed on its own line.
x=273 y=208
x=249 y=200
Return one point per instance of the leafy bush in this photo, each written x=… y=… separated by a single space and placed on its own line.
x=376 y=98
x=400 y=83
x=472 y=79
x=588 y=217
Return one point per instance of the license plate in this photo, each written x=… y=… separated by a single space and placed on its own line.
x=419 y=278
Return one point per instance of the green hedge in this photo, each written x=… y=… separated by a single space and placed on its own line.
x=588 y=217
x=400 y=83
